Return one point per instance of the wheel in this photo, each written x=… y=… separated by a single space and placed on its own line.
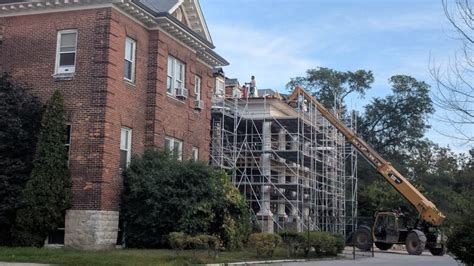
x=438 y=251
x=362 y=239
x=415 y=242
x=383 y=246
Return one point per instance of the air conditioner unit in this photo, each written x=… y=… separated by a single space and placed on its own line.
x=198 y=104
x=181 y=93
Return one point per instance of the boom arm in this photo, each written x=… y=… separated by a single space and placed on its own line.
x=426 y=208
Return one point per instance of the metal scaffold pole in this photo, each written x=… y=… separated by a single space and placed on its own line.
x=294 y=168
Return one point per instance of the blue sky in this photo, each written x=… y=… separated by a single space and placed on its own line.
x=279 y=39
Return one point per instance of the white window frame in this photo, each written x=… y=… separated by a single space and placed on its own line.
x=197 y=87
x=68 y=144
x=220 y=91
x=132 y=60
x=175 y=63
x=129 y=142
x=62 y=70
x=172 y=142
x=195 y=154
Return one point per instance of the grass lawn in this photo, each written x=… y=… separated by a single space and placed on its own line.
x=126 y=256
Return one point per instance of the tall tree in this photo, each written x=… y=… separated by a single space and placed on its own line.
x=454 y=82
x=331 y=87
x=398 y=122
x=20 y=114
x=48 y=191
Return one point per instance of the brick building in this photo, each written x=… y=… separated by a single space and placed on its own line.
x=135 y=74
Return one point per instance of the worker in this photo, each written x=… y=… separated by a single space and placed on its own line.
x=253 y=86
x=245 y=91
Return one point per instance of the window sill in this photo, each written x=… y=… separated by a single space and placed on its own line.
x=175 y=98
x=129 y=82
x=63 y=76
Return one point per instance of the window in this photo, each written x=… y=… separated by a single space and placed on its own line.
x=195 y=154
x=220 y=87
x=66 y=52
x=130 y=47
x=67 y=144
x=197 y=87
x=175 y=147
x=125 y=147
x=175 y=79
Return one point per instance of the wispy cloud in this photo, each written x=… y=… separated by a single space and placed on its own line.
x=272 y=58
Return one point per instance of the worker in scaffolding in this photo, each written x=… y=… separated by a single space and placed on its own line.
x=253 y=86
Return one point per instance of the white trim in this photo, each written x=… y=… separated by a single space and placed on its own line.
x=129 y=146
x=133 y=59
x=202 y=20
x=198 y=95
x=195 y=150
x=57 y=69
x=171 y=147
x=204 y=63
x=175 y=6
x=126 y=7
x=43 y=9
x=174 y=80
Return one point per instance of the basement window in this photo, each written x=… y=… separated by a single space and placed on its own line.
x=175 y=146
x=195 y=154
x=67 y=144
x=125 y=147
x=66 y=52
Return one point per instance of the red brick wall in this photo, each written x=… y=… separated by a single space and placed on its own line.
x=98 y=100
x=177 y=118
x=28 y=53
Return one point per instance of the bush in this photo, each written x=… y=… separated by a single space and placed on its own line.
x=48 y=192
x=323 y=244
x=162 y=195
x=264 y=243
x=293 y=241
x=180 y=241
x=461 y=238
x=20 y=116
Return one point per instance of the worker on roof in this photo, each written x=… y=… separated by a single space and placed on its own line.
x=253 y=86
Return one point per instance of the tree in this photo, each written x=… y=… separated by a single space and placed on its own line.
x=20 y=113
x=454 y=81
x=331 y=87
x=47 y=193
x=397 y=123
x=163 y=195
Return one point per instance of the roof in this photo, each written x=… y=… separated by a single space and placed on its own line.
x=232 y=82
x=264 y=92
x=159 y=6
x=152 y=13
x=191 y=8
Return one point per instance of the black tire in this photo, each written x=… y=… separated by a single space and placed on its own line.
x=415 y=242
x=363 y=239
x=383 y=246
x=438 y=251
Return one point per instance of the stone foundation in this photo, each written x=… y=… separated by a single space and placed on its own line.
x=91 y=230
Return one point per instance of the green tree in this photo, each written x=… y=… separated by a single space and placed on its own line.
x=331 y=87
x=397 y=123
x=162 y=195
x=48 y=191
x=20 y=114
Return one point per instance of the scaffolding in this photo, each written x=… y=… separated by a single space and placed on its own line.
x=295 y=170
